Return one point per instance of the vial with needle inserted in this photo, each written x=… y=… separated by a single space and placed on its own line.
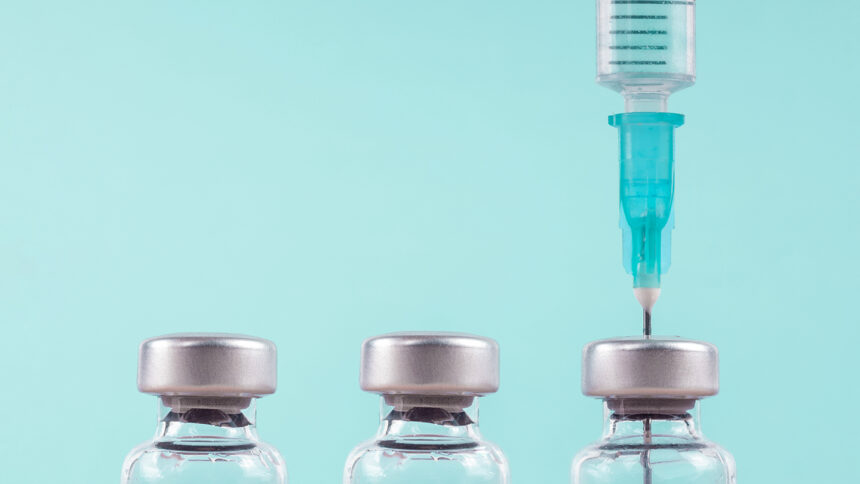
x=651 y=388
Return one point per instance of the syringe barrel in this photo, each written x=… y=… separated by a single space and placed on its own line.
x=646 y=191
x=646 y=49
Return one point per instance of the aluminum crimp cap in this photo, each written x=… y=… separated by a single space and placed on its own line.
x=430 y=363
x=207 y=364
x=655 y=367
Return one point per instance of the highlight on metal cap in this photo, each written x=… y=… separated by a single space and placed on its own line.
x=207 y=364
x=430 y=363
x=650 y=368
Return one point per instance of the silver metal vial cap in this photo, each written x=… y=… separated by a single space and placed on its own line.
x=656 y=367
x=430 y=363
x=207 y=364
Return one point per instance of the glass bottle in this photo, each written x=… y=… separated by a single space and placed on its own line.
x=207 y=386
x=651 y=387
x=428 y=432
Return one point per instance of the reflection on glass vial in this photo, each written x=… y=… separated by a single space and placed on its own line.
x=428 y=430
x=207 y=386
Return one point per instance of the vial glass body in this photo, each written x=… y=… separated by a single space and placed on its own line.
x=431 y=442
x=651 y=449
x=196 y=443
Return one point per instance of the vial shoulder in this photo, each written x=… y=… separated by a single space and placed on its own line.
x=252 y=462
x=726 y=458
x=382 y=461
x=131 y=460
x=620 y=459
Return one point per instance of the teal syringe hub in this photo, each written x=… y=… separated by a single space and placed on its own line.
x=646 y=191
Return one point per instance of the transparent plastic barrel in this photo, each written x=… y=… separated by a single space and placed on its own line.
x=646 y=49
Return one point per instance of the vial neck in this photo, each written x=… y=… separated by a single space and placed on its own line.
x=429 y=418
x=200 y=423
x=670 y=422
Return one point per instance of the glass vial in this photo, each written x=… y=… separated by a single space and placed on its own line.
x=651 y=387
x=428 y=431
x=207 y=386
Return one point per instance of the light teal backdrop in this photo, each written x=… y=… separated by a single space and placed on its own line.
x=318 y=172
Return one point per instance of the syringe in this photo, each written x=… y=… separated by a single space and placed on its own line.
x=646 y=51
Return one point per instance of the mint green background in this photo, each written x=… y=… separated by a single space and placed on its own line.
x=318 y=172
